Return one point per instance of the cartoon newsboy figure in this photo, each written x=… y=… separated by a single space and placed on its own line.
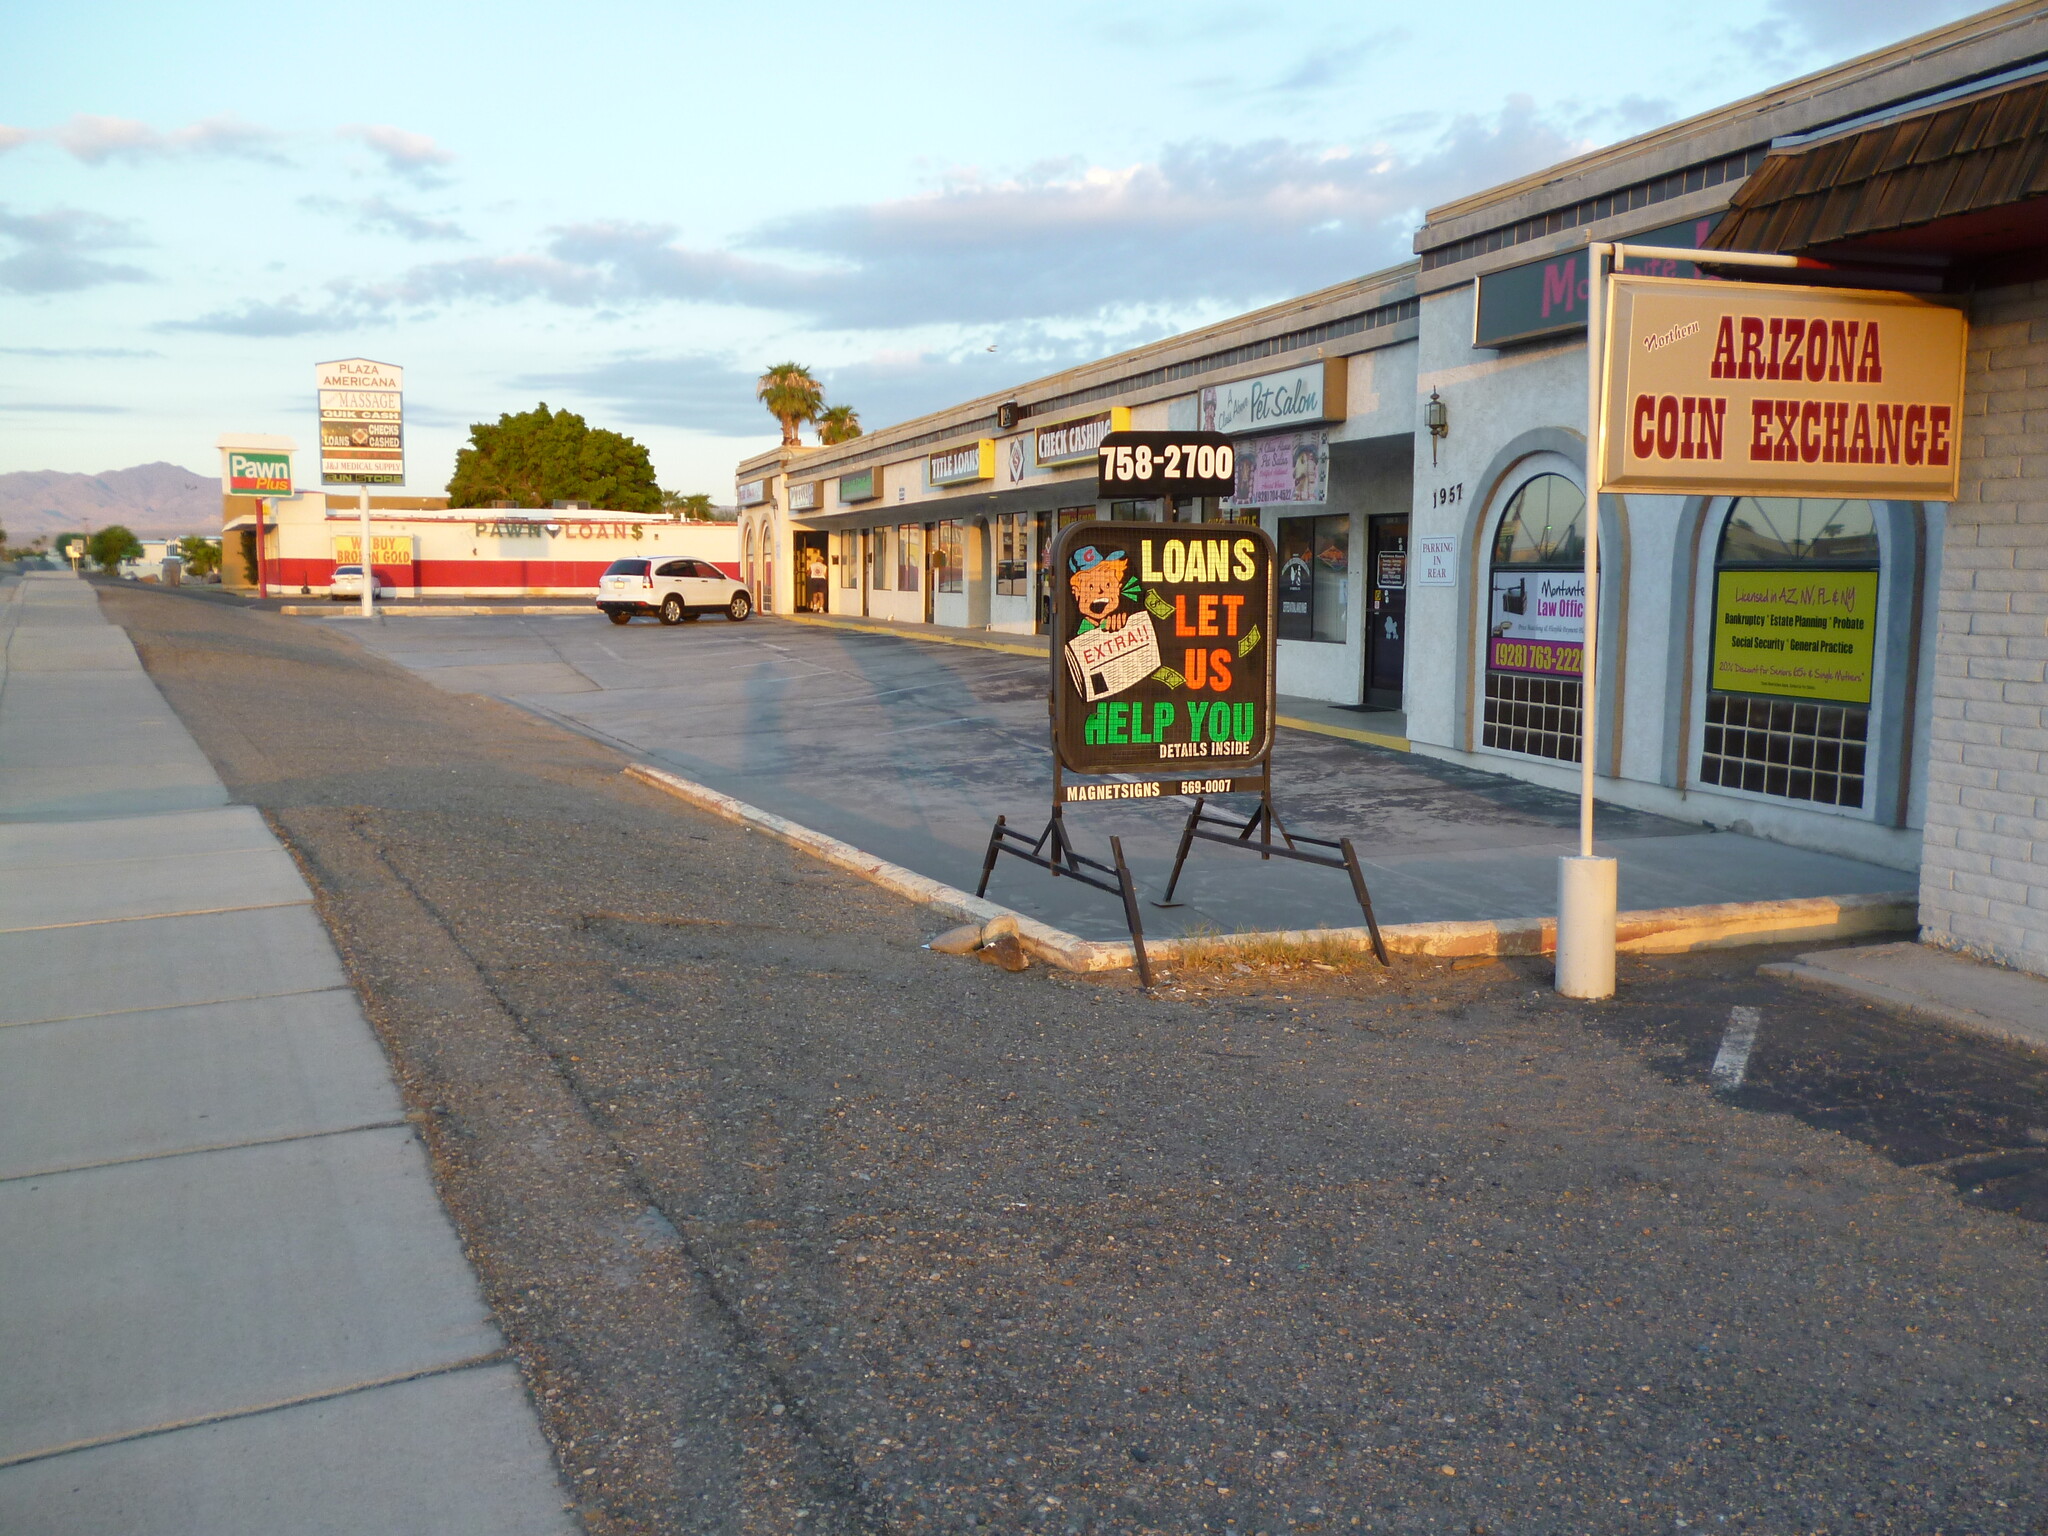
x=1101 y=583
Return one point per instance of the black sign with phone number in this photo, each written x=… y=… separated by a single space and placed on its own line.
x=1148 y=464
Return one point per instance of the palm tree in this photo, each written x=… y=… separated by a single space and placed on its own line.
x=792 y=396
x=840 y=424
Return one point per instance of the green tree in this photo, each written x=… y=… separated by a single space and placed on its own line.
x=792 y=396
x=695 y=508
x=839 y=424
x=110 y=546
x=541 y=456
x=201 y=556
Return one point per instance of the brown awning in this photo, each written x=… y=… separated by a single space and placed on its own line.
x=1964 y=184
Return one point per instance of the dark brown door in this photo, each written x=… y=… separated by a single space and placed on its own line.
x=1386 y=614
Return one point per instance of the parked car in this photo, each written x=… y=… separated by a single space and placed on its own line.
x=347 y=582
x=674 y=590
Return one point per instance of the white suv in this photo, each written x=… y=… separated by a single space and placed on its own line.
x=673 y=590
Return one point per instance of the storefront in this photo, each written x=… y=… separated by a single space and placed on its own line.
x=470 y=552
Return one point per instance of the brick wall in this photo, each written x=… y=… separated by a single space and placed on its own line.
x=1984 y=872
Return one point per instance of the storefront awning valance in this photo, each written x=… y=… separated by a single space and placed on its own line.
x=1963 y=185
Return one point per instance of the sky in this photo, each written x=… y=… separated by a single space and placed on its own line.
x=629 y=209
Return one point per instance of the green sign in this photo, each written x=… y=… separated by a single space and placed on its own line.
x=259 y=474
x=1796 y=634
x=864 y=486
x=1548 y=297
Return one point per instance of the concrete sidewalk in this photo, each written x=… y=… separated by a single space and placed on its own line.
x=230 y=1300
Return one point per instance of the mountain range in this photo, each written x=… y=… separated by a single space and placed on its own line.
x=151 y=500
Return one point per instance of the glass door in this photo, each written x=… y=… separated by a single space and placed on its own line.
x=1386 y=613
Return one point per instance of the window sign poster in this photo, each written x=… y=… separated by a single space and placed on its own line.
x=1163 y=660
x=1538 y=622
x=1287 y=469
x=1798 y=634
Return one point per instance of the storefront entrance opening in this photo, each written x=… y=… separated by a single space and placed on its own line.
x=813 y=575
x=1386 y=613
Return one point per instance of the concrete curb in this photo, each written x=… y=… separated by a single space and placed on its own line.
x=1663 y=931
x=1914 y=1003
x=452 y=611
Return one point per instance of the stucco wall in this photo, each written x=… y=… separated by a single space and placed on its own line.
x=1984 y=872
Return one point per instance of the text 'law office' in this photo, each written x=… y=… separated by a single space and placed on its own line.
x=1844 y=649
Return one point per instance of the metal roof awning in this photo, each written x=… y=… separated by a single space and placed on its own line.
x=1960 y=188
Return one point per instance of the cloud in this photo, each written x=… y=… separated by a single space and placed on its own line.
x=1207 y=226
x=699 y=392
x=1322 y=68
x=13 y=138
x=54 y=408
x=96 y=140
x=411 y=155
x=381 y=214
x=286 y=317
x=1795 y=33
x=63 y=352
x=56 y=251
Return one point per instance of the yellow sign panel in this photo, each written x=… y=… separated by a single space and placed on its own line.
x=1797 y=634
x=1751 y=389
x=394 y=550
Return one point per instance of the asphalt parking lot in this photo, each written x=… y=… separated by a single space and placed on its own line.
x=795 y=1226
x=909 y=750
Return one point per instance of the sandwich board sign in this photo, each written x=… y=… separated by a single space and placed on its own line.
x=1164 y=636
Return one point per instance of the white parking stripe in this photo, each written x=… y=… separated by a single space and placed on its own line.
x=1737 y=1041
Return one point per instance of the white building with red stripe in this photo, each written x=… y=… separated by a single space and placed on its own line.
x=297 y=541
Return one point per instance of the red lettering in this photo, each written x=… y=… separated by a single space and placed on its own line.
x=1196 y=665
x=1723 y=366
x=1916 y=434
x=1835 y=447
x=1752 y=348
x=1643 y=437
x=1759 y=429
x=1889 y=418
x=1205 y=615
x=1842 y=355
x=1667 y=427
x=1809 y=417
x=1816 y=351
x=1232 y=601
x=1777 y=337
x=1788 y=430
x=1713 y=416
x=1859 y=439
x=1937 y=434
x=1219 y=671
x=1181 y=628
x=1560 y=285
x=1691 y=408
x=1869 y=366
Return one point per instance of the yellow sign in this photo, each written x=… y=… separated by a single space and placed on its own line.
x=394 y=550
x=1750 y=389
x=1797 y=634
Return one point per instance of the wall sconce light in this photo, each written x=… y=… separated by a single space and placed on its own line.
x=1437 y=417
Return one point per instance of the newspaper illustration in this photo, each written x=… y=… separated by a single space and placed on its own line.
x=1108 y=661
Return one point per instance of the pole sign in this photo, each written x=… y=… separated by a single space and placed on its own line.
x=254 y=472
x=362 y=422
x=1148 y=464
x=1751 y=389
x=1163 y=665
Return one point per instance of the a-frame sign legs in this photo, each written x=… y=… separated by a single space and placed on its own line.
x=1215 y=825
x=1054 y=850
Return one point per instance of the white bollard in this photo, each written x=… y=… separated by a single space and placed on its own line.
x=1585 y=927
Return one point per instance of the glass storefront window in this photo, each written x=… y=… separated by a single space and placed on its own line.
x=1536 y=622
x=1315 y=578
x=1795 y=642
x=1013 y=555
x=909 y=556
x=949 y=555
x=846 y=556
x=883 y=576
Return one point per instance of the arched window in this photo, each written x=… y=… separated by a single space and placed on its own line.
x=1536 y=622
x=1795 y=640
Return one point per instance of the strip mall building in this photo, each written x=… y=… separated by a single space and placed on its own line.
x=422 y=548
x=1412 y=553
